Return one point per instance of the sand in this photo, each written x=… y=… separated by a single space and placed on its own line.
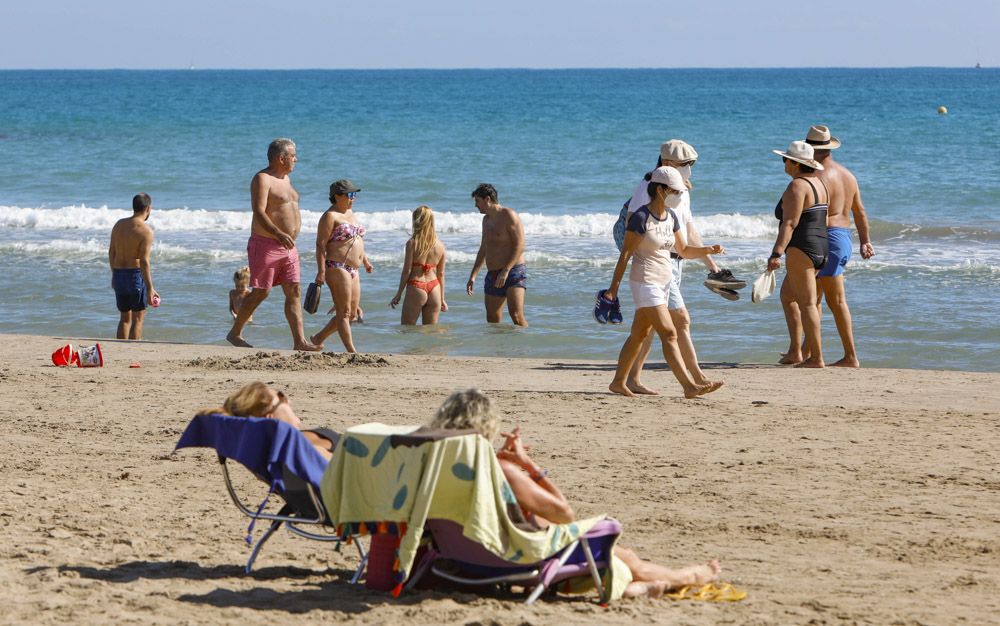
x=837 y=496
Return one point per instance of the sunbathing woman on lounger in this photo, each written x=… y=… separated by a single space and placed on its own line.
x=259 y=400
x=542 y=501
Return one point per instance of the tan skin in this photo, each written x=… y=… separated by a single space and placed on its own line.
x=130 y=247
x=418 y=304
x=345 y=289
x=800 y=274
x=281 y=409
x=275 y=205
x=542 y=500
x=656 y=318
x=845 y=201
x=501 y=248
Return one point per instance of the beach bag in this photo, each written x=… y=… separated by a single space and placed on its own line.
x=311 y=305
x=763 y=286
x=618 y=230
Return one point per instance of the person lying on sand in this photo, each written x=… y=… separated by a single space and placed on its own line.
x=544 y=504
x=259 y=400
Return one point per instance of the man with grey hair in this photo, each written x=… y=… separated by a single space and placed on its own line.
x=271 y=250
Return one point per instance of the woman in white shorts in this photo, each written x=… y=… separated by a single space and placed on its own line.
x=650 y=236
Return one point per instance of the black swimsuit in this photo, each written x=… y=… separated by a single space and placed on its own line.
x=809 y=235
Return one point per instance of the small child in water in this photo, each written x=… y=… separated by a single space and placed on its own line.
x=241 y=279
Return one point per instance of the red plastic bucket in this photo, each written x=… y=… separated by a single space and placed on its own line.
x=65 y=356
x=381 y=556
x=90 y=356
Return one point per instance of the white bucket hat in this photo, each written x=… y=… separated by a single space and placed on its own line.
x=668 y=176
x=800 y=152
x=819 y=138
x=677 y=150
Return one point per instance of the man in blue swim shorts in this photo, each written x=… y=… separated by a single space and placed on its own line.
x=845 y=200
x=502 y=249
x=131 y=278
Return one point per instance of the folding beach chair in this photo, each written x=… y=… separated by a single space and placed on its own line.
x=453 y=556
x=279 y=455
x=447 y=489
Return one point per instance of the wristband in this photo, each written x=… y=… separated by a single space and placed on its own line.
x=775 y=255
x=539 y=475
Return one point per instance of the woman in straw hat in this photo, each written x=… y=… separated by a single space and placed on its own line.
x=423 y=272
x=653 y=232
x=802 y=239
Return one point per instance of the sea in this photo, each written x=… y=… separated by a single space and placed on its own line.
x=565 y=148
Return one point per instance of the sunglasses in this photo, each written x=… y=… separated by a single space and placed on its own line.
x=351 y=195
x=690 y=163
x=280 y=398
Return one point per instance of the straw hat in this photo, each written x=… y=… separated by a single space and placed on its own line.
x=800 y=152
x=677 y=150
x=668 y=176
x=819 y=138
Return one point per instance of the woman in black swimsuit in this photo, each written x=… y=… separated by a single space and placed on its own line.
x=802 y=240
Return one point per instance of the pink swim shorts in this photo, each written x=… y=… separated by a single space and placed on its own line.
x=271 y=263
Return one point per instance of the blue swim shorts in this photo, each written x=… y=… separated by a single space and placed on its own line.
x=840 y=251
x=130 y=289
x=516 y=277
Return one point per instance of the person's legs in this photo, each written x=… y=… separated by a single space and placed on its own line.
x=630 y=349
x=124 y=324
x=802 y=275
x=682 y=323
x=414 y=300
x=341 y=286
x=432 y=306
x=836 y=298
x=515 y=305
x=659 y=318
x=135 y=332
x=293 y=313
x=633 y=382
x=651 y=579
x=250 y=304
x=793 y=320
x=494 y=307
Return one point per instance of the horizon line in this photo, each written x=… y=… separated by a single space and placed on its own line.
x=484 y=68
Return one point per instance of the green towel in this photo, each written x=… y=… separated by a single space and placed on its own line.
x=458 y=478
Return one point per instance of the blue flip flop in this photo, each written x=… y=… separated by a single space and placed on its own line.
x=602 y=308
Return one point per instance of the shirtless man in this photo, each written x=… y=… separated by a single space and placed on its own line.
x=128 y=254
x=271 y=249
x=845 y=199
x=502 y=247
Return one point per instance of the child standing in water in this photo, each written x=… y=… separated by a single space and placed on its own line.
x=241 y=279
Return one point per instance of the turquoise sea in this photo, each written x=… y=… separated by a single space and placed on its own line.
x=565 y=148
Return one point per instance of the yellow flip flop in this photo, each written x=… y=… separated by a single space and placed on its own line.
x=711 y=592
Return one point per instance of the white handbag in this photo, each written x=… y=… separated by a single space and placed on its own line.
x=763 y=286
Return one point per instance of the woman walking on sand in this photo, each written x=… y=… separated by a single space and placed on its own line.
x=423 y=272
x=802 y=239
x=650 y=236
x=340 y=252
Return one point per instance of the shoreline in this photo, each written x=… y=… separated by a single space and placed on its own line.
x=843 y=484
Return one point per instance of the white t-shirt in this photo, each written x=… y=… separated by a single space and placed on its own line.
x=651 y=259
x=640 y=198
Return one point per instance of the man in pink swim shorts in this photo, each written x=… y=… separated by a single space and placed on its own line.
x=271 y=249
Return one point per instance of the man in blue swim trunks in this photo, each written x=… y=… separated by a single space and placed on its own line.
x=128 y=254
x=502 y=248
x=845 y=199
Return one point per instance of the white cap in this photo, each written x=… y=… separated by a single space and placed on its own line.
x=668 y=176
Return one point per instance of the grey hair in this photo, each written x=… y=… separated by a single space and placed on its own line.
x=468 y=409
x=279 y=147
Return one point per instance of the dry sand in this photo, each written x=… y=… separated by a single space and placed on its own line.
x=832 y=497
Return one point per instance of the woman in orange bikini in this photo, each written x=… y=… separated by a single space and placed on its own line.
x=423 y=272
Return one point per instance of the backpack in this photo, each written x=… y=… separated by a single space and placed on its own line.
x=618 y=230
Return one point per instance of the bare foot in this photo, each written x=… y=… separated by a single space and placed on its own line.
x=617 y=387
x=637 y=387
x=312 y=340
x=698 y=574
x=237 y=341
x=650 y=589
x=847 y=362
x=307 y=347
x=813 y=363
x=790 y=358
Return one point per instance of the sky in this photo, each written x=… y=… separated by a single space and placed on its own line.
x=370 y=34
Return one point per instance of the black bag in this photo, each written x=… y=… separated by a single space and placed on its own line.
x=313 y=292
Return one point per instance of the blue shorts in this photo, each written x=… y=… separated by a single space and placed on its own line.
x=516 y=277
x=675 y=300
x=840 y=251
x=130 y=290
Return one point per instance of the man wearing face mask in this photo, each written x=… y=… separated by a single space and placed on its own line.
x=681 y=156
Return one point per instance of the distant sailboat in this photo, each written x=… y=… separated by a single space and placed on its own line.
x=191 y=66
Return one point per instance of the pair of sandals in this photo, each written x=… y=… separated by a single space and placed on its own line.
x=607 y=311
